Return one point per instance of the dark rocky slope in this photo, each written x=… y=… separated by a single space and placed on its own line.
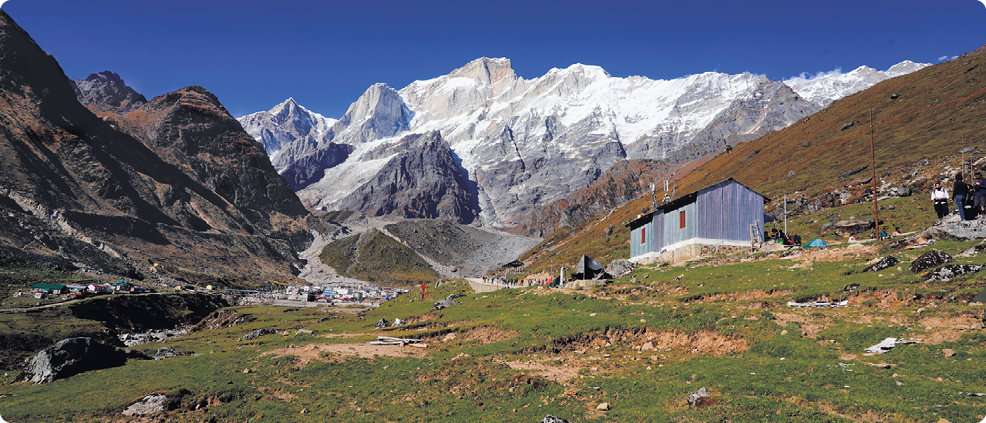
x=421 y=181
x=174 y=187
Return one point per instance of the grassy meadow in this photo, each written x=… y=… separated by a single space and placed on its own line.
x=640 y=344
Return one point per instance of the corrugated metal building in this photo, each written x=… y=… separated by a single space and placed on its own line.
x=713 y=220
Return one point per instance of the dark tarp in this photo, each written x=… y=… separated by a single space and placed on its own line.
x=981 y=298
x=589 y=269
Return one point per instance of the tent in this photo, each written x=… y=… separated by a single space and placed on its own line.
x=816 y=243
x=555 y=283
x=589 y=269
x=981 y=298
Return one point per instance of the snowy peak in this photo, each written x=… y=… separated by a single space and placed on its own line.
x=379 y=113
x=485 y=70
x=824 y=88
x=521 y=144
x=904 y=68
x=285 y=123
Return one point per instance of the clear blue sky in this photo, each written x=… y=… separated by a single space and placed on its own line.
x=255 y=54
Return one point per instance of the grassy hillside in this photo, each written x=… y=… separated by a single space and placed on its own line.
x=378 y=258
x=926 y=114
x=641 y=344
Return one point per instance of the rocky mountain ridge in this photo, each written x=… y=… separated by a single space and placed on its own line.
x=523 y=144
x=171 y=187
x=826 y=88
x=285 y=123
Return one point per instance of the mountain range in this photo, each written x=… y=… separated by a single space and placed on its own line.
x=171 y=188
x=520 y=145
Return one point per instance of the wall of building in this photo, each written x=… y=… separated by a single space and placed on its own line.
x=727 y=211
x=717 y=222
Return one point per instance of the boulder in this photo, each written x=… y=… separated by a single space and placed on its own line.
x=695 y=399
x=950 y=271
x=70 y=357
x=976 y=249
x=444 y=303
x=454 y=296
x=883 y=263
x=382 y=323
x=620 y=267
x=148 y=405
x=552 y=419
x=257 y=333
x=849 y=227
x=929 y=260
x=955 y=229
x=165 y=352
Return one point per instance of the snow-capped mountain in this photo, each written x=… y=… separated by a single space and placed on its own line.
x=828 y=87
x=286 y=123
x=522 y=143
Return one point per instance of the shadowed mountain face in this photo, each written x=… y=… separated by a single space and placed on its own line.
x=107 y=91
x=174 y=186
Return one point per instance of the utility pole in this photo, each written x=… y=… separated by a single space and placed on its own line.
x=876 y=208
x=964 y=141
x=785 y=215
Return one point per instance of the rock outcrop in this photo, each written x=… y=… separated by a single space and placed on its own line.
x=154 y=403
x=420 y=179
x=929 y=260
x=167 y=352
x=257 y=333
x=883 y=263
x=106 y=91
x=950 y=271
x=70 y=357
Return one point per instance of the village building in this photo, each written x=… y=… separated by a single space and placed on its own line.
x=43 y=290
x=76 y=288
x=723 y=218
x=97 y=288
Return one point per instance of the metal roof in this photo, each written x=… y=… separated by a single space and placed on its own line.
x=683 y=201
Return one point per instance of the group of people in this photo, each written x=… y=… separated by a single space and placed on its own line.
x=781 y=237
x=962 y=194
x=883 y=235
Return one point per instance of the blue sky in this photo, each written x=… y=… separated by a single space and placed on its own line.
x=255 y=54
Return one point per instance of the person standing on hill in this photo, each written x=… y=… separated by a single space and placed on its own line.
x=979 y=185
x=940 y=197
x=959 y=192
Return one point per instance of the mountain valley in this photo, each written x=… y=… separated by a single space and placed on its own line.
x=214 y=268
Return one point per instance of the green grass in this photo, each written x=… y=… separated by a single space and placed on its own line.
x=772 y=363
x=377 y=258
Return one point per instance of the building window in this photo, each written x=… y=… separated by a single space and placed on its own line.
x=681 y=218
x=643 y=235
